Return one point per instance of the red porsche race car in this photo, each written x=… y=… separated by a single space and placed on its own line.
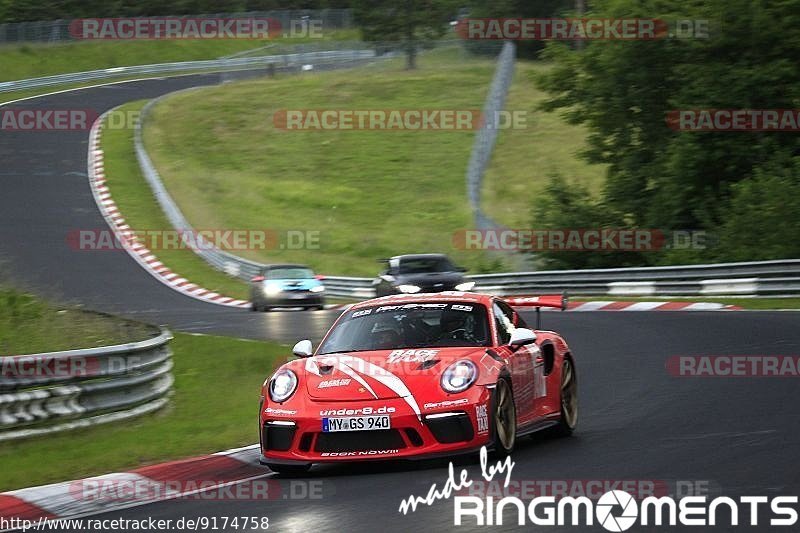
x=417 y=376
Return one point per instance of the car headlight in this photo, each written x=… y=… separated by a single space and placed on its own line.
x=459 y=376
x=466 y=286
x=282 y=385
x=408 y=289
x=317 y=288
x=272 y=289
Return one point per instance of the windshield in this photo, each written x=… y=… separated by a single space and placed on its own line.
x=289 y=273
x=415 y=325
x=420 y=265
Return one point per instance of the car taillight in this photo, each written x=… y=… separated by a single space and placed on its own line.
x=258 y=279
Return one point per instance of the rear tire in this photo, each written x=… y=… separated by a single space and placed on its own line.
x=569 y=400
x=504 y=419
x=289 y=470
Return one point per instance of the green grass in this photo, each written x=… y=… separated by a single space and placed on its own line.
x=136 y=203
x=525 y=158
x=214 y=407
x=371 y=194
x=28 y=325
x=36 y=60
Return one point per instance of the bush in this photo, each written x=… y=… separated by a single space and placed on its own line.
x=761 y=220
x=569 y=206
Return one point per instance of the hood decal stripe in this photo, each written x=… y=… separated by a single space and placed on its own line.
x=352 y=373
x=386 y=378
x=353 y=366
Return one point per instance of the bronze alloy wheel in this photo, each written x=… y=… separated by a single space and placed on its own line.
x=569 y=397
x=505 y=418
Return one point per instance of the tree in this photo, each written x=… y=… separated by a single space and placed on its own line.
x=520 y=9
x=409 y=22
x=565 y=206
x=623 y=90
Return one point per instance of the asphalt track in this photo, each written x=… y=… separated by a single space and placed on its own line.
x=741 y=436
x=46 y=195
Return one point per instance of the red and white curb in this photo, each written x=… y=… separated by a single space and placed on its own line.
x=145 y=257
x=149 y=484
x=649 y=306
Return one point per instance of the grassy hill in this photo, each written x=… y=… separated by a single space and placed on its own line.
x=370 y=193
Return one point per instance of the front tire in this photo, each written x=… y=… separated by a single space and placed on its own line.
x=569 y=400
x=504 y=419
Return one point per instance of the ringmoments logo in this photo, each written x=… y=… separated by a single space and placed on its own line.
x=617 y=510
x=616 y=499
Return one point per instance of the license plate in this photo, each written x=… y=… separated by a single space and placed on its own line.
x=355 y=423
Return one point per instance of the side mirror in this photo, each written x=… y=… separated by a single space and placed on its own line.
x=303 y=349
x=521 y=337
x=462 y=269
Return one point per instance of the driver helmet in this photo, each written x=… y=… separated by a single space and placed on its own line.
x=452 y=320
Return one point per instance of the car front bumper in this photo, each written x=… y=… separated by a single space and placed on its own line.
x=290 y=436
x=290 y=299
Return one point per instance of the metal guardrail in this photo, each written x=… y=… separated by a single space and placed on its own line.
x=781 y=277
x=306 y=55
x=57 y=391
x=486 y=136
x=231 y=264
x=762 y=278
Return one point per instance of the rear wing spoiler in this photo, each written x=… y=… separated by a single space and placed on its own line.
x=556 y=301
